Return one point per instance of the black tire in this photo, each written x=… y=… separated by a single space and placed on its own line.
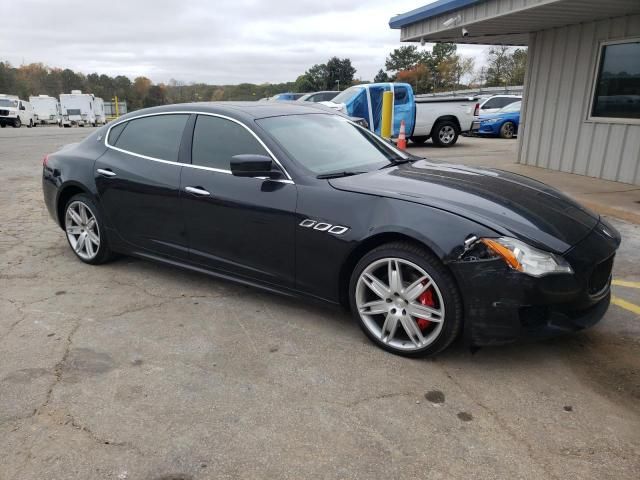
x=419 y=140
x=30 y=124
x=507 y=130
x=3 y=125
x=17 y=123
x=104 y=253
x=444 y=280
x=445 y=133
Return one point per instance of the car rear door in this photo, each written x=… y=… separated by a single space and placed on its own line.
x=138 y=182
x=242 y=226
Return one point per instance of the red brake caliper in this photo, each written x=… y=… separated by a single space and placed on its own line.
x=426 y=298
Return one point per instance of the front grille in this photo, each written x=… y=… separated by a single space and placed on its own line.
x=600 y=276
x=4 y=113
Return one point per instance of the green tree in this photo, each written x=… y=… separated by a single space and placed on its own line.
x=404 y=58
x=381 y=76
x=340 y=73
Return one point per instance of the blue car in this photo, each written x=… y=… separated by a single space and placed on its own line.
x=504 y=123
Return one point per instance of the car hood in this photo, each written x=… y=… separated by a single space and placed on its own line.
x=508 y=203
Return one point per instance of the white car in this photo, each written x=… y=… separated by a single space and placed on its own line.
x=494 y=103
x=15 y=112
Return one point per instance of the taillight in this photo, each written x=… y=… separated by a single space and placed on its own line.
x=476 y=111
x=45 y=160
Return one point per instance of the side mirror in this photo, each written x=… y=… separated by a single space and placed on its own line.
x=253 y=166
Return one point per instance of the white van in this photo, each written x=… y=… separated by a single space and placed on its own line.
x=46 y=110
x=15 y=112
x=77 y=108
x=98 y=110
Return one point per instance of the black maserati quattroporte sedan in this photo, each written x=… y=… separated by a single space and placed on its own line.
x=300 y=200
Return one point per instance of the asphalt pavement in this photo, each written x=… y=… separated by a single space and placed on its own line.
x=134 y=370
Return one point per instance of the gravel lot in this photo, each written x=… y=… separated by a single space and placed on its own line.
x=134 y=370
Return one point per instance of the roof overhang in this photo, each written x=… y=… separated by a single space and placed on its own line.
x=499 y=22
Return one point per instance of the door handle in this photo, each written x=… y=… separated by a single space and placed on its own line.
x=105 y=172
x=201 y=192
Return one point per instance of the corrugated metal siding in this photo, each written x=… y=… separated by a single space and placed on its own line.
x=555 y=131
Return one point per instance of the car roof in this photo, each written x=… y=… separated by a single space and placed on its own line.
x=254 y=110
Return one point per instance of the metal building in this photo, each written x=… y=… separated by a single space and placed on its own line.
x=581 y=109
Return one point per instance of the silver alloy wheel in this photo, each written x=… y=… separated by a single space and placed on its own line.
x=446 y=134
x=82 y=230
x=384 y=306
x=508 y=130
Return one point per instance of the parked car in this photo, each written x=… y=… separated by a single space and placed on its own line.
x=15 y=112
x=494 y=103
x=46 y=110
x=77 y=108
x=300 y=200
x=441 y=119
x=502 y=124
x=318 y=96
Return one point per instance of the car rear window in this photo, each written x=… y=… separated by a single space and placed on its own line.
x=156 y=137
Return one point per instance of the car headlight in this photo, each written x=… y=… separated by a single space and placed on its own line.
x=525 y=258
x=491 y=120
x=13 y=114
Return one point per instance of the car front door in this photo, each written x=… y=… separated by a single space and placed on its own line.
x=138 y=182
x=243 y=226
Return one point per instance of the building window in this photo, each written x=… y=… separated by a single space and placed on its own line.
x=617 y=89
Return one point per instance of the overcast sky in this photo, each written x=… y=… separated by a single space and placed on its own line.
x=212 y=41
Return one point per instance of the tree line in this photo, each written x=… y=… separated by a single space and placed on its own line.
x=442 y=69
x=438 y=69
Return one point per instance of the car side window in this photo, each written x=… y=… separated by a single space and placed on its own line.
x=157 y=136
x=216 y=140
x=491 y=103
x=400 y=95
x=115 y=132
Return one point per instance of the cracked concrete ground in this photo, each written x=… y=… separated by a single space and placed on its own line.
x=134 y=370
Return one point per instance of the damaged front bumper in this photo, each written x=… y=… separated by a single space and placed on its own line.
x=503 y=305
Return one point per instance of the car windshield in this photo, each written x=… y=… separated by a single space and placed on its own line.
x=330 y=143
x=343 y=97
x=5 y=102
x=514 y=107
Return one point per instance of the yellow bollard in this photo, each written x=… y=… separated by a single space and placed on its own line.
x=387 y=110
x=117 y=109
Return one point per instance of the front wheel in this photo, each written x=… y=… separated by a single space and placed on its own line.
x=405 y=300
x=17 y=123
x=507 y=130
x=445 y=133
x=85 y=230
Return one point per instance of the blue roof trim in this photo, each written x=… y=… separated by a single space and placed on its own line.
x=428 y=11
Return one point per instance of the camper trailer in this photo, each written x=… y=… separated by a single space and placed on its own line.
x=46 y=110
x=98 y=110
x=77 y=108
x=15 y=112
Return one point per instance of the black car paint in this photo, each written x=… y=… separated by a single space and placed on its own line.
x=249 y=231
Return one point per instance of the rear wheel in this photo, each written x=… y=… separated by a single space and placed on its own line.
x=405 y=300
x=30 y=124
x=85 y=230
x=445 y=133
x=507 y=130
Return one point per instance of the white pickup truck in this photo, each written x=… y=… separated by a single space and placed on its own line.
x=440 y=118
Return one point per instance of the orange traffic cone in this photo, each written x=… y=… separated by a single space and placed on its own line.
x=402 y=138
